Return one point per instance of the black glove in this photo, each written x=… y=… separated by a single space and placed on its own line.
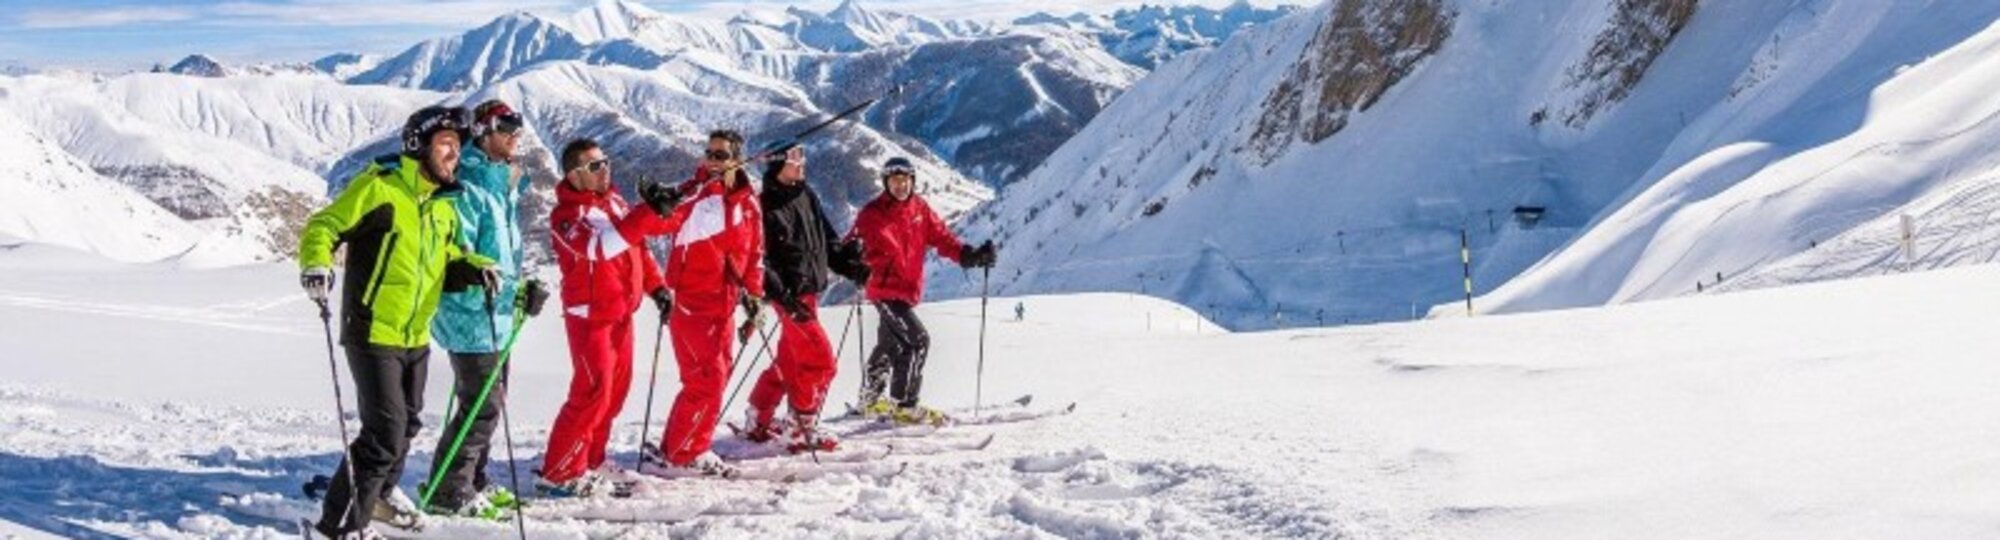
x=989 y=254
x=795 y=308
x=663 y=300
x=846 y=261
x=979 y=257
x=661 y=196
x=532 y=298
x=460 y=276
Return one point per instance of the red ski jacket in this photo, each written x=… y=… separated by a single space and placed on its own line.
x=894 y=237
x=601 y=249
x=719 y=238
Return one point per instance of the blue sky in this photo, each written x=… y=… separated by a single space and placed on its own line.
x=134 y=34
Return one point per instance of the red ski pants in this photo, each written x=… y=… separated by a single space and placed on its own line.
x=702 y=339
x=601 y=354
x=803 y=368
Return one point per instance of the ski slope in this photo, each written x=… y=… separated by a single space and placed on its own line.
x=155 y=401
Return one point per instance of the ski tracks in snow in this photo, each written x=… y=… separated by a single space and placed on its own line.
x=102 y=469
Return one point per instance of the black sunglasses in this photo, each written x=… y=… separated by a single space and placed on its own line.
x=720 y=155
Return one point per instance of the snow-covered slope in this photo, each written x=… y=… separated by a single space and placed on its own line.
x=1151 y=35
x=238 y=157
x=1849 y=116
x=1325 y=167
x=48 y=196
x=1860 y=409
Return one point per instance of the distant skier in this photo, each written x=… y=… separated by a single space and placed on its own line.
x=896 y=230
x=607 y=272
x=1020 y=311
x=487 y=208
x=800 y=247
x=402 y=236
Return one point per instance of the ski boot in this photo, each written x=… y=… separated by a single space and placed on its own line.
x=918 y=415
x=757 y=430
x=878 y=409
x=807 y=437
x=707 y=464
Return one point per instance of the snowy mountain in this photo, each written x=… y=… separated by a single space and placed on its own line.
x=344 y=66
x=201 y=65
x=477 y=57
x=1324 y=168
x=1030 y=90
x=1151 y=35
x=853 y=28
x=50 y=197
x=239 y=159
x=992 y=107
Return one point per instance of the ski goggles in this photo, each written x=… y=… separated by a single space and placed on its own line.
x=900 y=169
x=508 y=124
x=594 y=167
x=501 y=118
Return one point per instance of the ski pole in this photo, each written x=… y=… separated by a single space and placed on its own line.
x=979 y=384
x=646 y=426
x=332 y=367
x=766 y=345
x=506 y=423
x=465 y=427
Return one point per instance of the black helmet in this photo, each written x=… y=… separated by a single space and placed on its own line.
x=897 y=165
x=427 y=121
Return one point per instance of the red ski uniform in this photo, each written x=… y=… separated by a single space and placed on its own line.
x=606 y=271
x=717 y=256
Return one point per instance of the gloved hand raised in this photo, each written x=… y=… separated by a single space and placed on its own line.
x=661 y=196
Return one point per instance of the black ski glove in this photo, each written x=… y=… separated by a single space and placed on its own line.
x=663 y=300
x=661 y=196
x=533 y=296
x=846 y=261
x=979 y=257
x=795 y=308
x=460 y=276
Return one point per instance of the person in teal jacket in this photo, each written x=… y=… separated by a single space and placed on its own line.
x=467 y=323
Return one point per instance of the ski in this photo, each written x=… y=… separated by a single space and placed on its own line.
x=853 y=413
x=883 y=429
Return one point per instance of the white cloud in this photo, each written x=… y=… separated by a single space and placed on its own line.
x=376 y=13
x=96 y=18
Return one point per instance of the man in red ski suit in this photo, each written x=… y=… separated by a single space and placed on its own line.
x=599 y=244
x=716 y=264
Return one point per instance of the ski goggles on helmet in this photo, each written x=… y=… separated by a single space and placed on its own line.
x=899 y=168
x=500 y=118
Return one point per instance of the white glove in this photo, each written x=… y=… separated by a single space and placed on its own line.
x=318 y=282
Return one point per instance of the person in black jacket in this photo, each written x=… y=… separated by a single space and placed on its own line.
x=800 y=247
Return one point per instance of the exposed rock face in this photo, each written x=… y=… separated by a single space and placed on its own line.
x=1639 y=30
x=1363 y=50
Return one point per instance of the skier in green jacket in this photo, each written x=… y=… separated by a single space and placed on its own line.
x=403 y=252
